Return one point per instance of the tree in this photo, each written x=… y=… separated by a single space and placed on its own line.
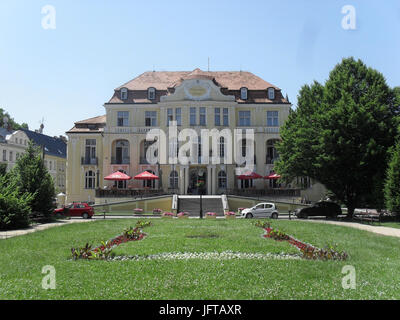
x=14 y=207
x=11 y=121
x=33 y=177
x=340 y=134
x=392 y=183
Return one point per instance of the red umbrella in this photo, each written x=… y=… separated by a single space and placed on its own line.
x=146 y=176
x=249 y=175
x=273 y=176
x=118 y=176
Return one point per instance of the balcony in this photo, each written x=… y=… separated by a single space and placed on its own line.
x=125 y=160
x=89 y=161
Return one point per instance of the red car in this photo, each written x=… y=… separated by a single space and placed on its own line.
x=77 y=209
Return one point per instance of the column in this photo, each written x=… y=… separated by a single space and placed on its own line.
x=214 y=179
x=181 y=180
x=186 y=179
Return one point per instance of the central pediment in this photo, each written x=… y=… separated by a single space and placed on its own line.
x=199 y=88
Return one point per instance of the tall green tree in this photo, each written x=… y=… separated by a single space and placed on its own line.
x=392 y=185
x=340 y=134
x=33 y=177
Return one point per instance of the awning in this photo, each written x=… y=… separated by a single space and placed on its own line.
x=273 y=176
x=249 y=175
x=118 y=176
x=146 y=176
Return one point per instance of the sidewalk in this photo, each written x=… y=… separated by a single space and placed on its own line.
x=385 y=231
x=39 y=227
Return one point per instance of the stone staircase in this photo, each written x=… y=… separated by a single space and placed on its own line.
x=191 y=204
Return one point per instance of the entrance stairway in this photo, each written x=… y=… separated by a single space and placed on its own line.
x=191 y=204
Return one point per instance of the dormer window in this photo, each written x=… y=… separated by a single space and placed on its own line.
x=151 y=93
x=271 y=93
x=243 y=93
x=124 y=93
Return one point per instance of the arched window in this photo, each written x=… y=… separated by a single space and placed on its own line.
x=173 y=180
x=222 y=180
x=151 y=93
x=243 y=93
x=90 y=180
x=124 y=93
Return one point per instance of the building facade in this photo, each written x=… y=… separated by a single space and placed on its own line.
x=195 y=99
x=13 y=144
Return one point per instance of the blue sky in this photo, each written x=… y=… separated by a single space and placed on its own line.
x=67 y=74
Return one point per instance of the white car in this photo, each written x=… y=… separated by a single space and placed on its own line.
x=261 y=210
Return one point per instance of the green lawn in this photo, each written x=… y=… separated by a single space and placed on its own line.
x=375 y=258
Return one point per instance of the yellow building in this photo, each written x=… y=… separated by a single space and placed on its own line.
x=197 y=100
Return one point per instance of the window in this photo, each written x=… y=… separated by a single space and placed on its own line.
x=244 y=118
x=192 y=116
x=244 y=147
x=50 y=165
x=226 y=117
x=170 y=116
x=217 y=116
x=272 y=119
x=222 y=147
x=123 y=119
x=124 y=93
x=202 y=116
x=11 y=156
x=271 y=93
x=90 y=179
x=20 y=141
x=199 y=147
x=243 y=93
x=173 y=180
x=90 y=151
x=4 y=155
x=151 y=118
x=222 y=180
x=173 y=148
x=151 y=93
x=178 y=116
x=17 y=156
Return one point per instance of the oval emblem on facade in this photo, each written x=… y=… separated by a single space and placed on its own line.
x=197 y=91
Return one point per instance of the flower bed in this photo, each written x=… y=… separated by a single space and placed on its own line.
x=230 y=215
x=104 y=251
x=157 y=211
x=309 y=251
x=211 y=215
x=183 y=215
x=137 y=210
x=168 y=215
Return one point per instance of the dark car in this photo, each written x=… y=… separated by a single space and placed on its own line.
x=77 y=209
x=321 y=208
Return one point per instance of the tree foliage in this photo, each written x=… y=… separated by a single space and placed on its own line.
x=14 y=206
x=14 y=125
x=392 y=184
x=340 y=134
x=32 y=177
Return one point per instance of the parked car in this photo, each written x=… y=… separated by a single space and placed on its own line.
x=321 y=208
x=77 y=209
x=261 y=210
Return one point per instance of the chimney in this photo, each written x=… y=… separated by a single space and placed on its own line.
x=41 y=128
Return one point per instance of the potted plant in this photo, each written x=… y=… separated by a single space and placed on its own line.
x=211 y=215
x=157 y=211
x=230 y=215
x=168 y=215
x=183 y=215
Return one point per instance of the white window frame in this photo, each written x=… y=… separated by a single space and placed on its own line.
x=243 y=117
x=243 y=93
x=151 y=93
x=271 y=93
x=273 y=118
x=124 y=115
x=124 y=94
x=152 y=115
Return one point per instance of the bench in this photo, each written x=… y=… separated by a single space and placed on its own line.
x=368 y=215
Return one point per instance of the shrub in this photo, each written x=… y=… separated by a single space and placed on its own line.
x=14 y=206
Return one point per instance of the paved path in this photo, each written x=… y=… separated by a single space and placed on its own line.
x=386 y=231
x=15 y=233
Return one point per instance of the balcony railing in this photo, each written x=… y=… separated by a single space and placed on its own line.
x=125 y=160
x=89 y=161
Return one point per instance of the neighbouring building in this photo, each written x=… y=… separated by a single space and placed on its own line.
x=13 y=144
x=194 y=99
